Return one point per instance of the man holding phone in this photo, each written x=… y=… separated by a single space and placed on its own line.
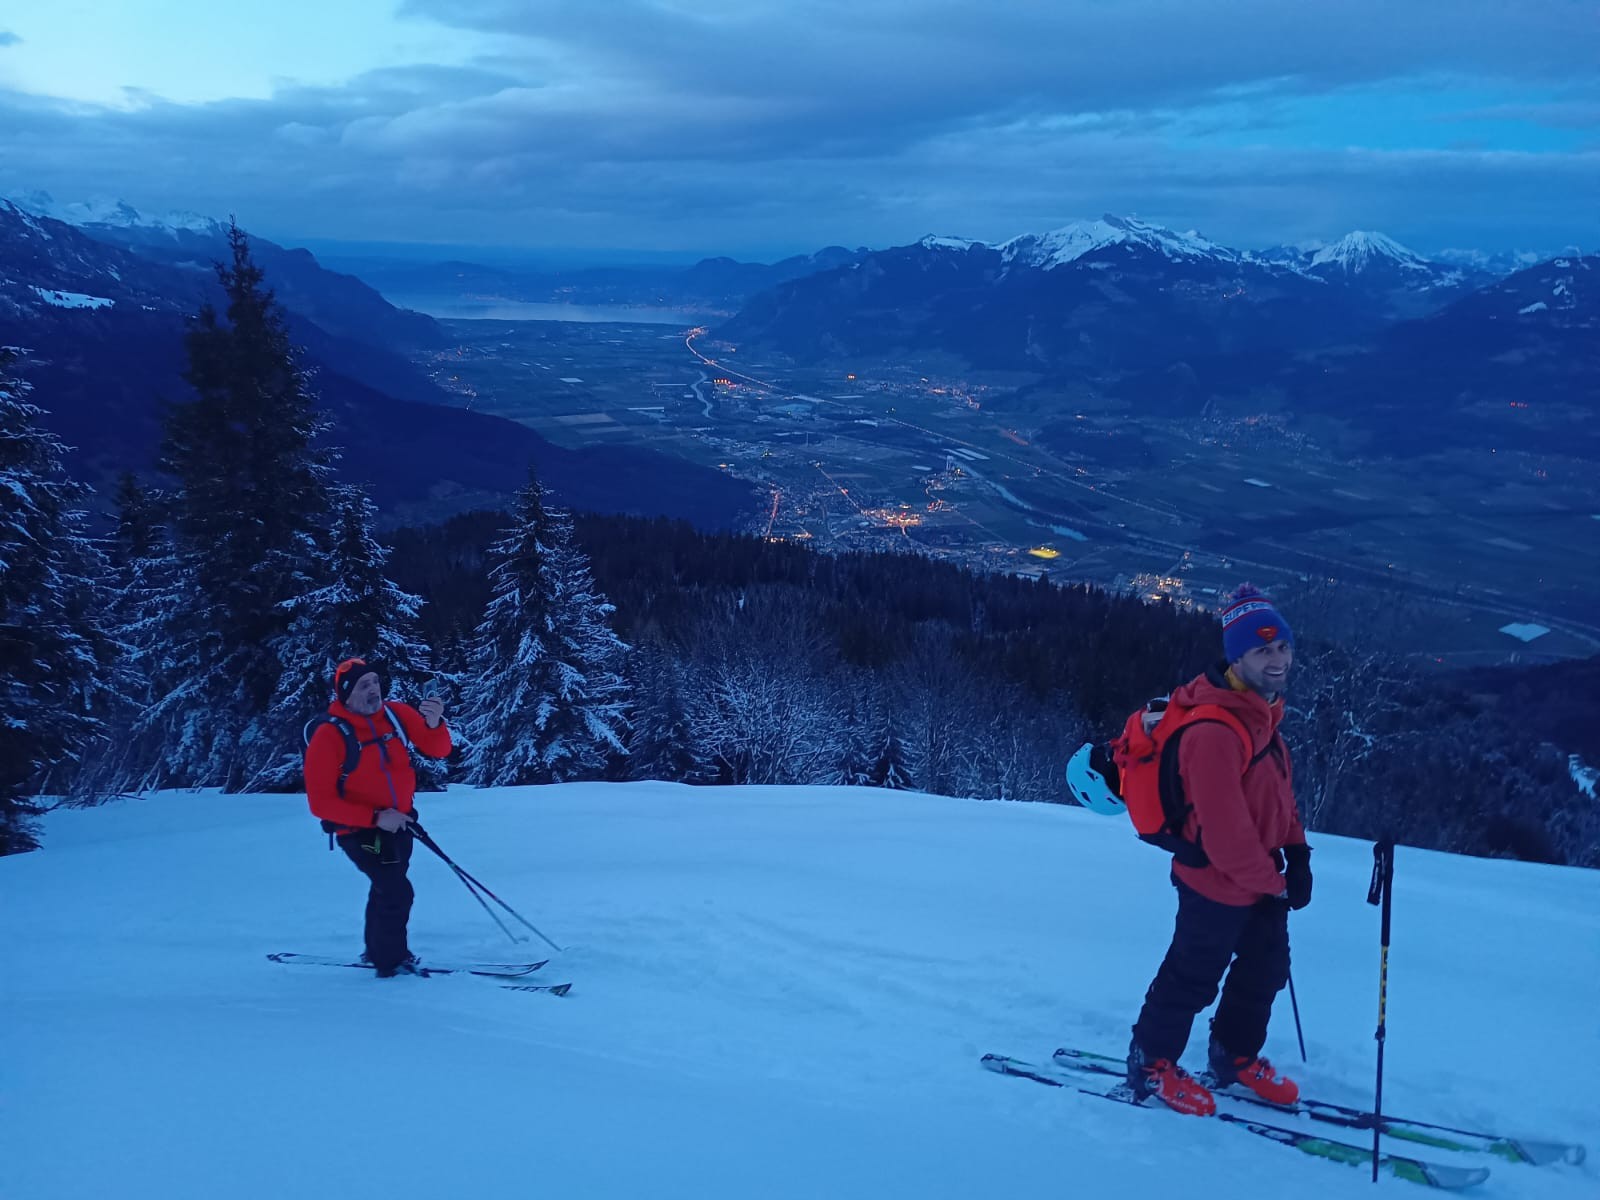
x=360 y=781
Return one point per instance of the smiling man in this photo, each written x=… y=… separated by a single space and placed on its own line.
x=1250 y=865
x=360 y=781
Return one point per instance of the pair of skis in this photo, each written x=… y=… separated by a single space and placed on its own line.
x=496 y=971
x=1104 y=1077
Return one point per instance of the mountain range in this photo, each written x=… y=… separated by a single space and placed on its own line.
x=1109 y=294
x=1362 y=329
x=101 y=311
x=712 y=286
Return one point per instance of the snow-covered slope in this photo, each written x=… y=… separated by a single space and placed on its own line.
x=777 y=993
x=1363 y=250
x=116 y=214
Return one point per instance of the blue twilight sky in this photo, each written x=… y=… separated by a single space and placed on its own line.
x=764 y=127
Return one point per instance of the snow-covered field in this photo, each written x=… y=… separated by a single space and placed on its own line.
x=777 y=993
x=72 y=299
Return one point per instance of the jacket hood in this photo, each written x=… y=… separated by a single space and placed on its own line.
x=1253 y=711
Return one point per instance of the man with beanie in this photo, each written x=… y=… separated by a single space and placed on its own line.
x=1250 y=866
x=359 y=780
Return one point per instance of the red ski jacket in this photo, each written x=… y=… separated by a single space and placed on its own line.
x=383 y=777
x=1244 y=808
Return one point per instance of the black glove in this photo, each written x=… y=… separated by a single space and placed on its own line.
x=1297 y=875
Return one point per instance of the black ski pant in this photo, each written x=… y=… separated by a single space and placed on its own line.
x=1250 y=943
x=384 y=858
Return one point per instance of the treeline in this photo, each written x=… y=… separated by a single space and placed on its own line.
x=985 y=683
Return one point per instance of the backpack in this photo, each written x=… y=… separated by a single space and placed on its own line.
x=1137 y=772
x=353 y=745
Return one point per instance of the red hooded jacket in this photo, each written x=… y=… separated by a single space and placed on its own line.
x=383 y=777
x=1242 y=813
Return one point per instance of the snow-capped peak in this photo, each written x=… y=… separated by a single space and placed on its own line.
x=116 y=213
x=1072 y=242
x=1362 y=250
x=934 y=242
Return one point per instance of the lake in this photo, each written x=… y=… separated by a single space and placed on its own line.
x=456 y=308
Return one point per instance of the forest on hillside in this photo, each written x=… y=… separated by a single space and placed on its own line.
x=758 y=661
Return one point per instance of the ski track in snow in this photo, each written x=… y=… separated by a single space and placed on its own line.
x=778 y=992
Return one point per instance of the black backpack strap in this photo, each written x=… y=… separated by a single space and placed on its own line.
x=352 y=744
x=1176 y=808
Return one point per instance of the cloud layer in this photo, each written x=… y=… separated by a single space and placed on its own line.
x=754 y=126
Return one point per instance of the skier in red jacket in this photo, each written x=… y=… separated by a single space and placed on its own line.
x=369 y=809
x=1232 y=911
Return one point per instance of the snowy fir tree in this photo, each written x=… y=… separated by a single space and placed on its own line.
x=855 y=762
x=889 y=766
x=662 y=743
x=248 y=518
x=359 y=614
x=56 y=659
x=547 y=702
x=145 y=571
x=138 y=522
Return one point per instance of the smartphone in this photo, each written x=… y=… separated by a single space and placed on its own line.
x=430 y=690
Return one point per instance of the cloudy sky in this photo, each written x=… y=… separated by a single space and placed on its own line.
x=764 y=127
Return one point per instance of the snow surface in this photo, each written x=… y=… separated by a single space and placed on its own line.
x=1525 y=631
x=777 y=993
x=934 y=242
x=72 y=299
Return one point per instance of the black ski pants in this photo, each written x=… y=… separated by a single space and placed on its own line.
x=384 y=859
x=1249 y=943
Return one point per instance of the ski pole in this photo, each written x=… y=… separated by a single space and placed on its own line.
x=1381 y=892
x=1298 y=1032
x=422 y=836
x=494 y=916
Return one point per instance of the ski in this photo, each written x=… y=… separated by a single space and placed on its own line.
x=1413 y=1170
x=555 y=989
x=1422 y=1133
x=493 y=970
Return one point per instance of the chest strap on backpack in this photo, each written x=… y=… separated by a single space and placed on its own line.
x=353 y=746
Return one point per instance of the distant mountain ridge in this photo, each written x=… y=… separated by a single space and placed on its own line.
x=1116 y=293
x=712 y=285
x=341 y=305
x=1072 y=242
x=103 y=328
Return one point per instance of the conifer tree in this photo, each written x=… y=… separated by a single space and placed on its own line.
x=359 y=614
x=547 y=701
x=855 y=762
x=890 y=768
x=55 y=656
x=136 y=553
x=662 y=745
x=138 y=523
x=248 y=518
